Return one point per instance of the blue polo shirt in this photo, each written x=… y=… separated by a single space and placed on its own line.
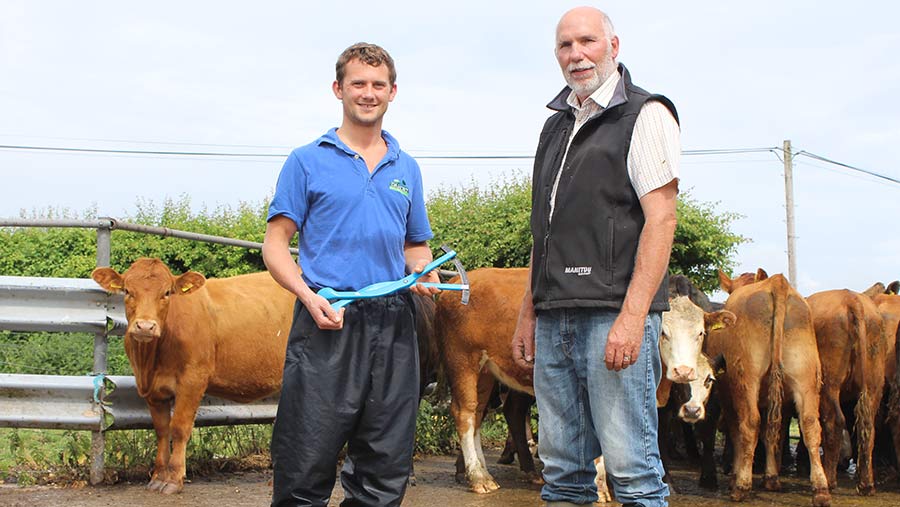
x=352 y=224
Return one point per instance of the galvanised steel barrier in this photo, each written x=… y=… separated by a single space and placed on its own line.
x=73 y=403
x=95 y=402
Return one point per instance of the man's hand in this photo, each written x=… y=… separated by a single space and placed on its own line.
x=623 y=345
x=325 y=316
x=523 y=344
x=430 y=277
x=523 y=337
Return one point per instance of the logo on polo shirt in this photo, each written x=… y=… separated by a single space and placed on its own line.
x=400 y=186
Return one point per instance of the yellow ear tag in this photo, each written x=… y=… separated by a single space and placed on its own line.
x=113 y=285
x=186 y=287
x=717 y=325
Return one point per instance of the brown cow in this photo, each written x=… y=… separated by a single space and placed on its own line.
x=851 y=342
x=888 y=303
x=771 y=352
x=475 y=343
x=188 y=336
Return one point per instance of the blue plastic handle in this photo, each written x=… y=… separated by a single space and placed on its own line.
x=385 y=288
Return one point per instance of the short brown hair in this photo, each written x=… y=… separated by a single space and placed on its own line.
x=370 y=54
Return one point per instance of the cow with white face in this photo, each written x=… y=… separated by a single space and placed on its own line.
x=694 y=410
x=684 y=327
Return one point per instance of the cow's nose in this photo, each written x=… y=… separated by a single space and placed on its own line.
x=685 y=372
x=692 y=412
x=145 y=326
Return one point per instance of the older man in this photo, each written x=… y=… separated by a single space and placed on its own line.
x=603 y=218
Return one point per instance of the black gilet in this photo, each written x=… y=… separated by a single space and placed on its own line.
x=585 y=256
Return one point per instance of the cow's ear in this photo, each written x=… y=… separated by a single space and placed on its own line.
x=876 y=289
x=718 y=364
x=893 y=288
x=760 y=275
x=189 y=282
x=719 y=320
x=725 y=282
x=109 y=279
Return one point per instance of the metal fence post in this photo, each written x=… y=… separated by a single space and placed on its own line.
x=101 y=345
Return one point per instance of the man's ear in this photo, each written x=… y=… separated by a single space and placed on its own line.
x=109 y=279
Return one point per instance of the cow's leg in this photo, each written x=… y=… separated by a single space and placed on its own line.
x=464 y=409
x=160 y=413
x=690 y=440
x=744 y=438
x=486 y=384
x=517 y=411
x=665 y=443
x=892 y=414
x=707 y=429
x=603 y=494
x=186 y=404
x=806 y=399
x=832 y=421
x=508 y=455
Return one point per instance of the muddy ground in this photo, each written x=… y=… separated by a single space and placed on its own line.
x=436 y=487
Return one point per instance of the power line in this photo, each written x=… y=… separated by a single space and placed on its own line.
x=847 y=166
x=730 y=151
x=281 y=155
x=139 y=152
x=132 y=141
x=227 y=155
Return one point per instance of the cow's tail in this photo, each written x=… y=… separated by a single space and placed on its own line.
x=780 y=291
x=426 y=335
x=864 y=425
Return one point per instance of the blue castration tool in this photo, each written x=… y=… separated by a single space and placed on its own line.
x=344 y=298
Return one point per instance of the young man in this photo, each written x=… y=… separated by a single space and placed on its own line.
x=603 y=219
x=350 y=377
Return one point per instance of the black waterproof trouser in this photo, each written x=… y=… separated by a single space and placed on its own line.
x=356 y=386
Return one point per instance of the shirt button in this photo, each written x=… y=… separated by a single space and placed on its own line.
x=355 y=157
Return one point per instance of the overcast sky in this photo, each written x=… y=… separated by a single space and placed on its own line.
x=473 y=78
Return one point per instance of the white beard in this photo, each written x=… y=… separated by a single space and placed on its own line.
x=585 y=87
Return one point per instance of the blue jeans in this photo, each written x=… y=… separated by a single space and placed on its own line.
x=584 y=407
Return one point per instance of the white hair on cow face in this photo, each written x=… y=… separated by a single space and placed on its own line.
x=681 y=339
x=694 y=410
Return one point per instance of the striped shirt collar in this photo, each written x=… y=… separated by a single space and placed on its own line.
x=618 y=95
x=601 y=96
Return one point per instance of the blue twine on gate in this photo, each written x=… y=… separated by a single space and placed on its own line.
x=98 y=385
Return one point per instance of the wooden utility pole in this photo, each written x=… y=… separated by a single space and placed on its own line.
x=789 y=210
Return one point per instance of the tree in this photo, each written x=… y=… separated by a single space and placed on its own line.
x=487 y=227
x=704 y=242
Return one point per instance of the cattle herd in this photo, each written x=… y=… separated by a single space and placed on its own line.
x=747 y=367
